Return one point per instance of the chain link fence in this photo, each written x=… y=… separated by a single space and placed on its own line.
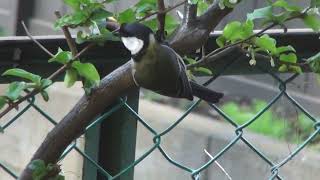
x=195 y=173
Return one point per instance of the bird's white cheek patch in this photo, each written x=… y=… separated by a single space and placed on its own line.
x=133 y=44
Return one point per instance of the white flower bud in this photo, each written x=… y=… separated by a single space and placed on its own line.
x=252 y=62
x=272 y=62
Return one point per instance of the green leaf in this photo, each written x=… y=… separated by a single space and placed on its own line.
x=71 y=77
x=295 y=69
x=291 y=57
x=283 y=68
x=203 y=70
x=145 y=8
x=265 y=13
x=75 y=19
x=312 y=21
x=3 y=101
x=15 y=89
x=266 y=43
x=221 y=41
x=87 y=70
x=151 y=23
x=127 y=16
x=38 y=168
x=190 y=60
x=247 y=29
x=45 y=83
x=284 y=49
x=75 y=4
x=23 y=74
x=285 y=5
x=231 y=31
x=171 y=24
x=100 y=15
x=45 y=95
x=202 y=7
x=62 y=57
x=314 y=63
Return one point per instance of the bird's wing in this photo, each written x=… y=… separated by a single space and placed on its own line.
x=183 y=84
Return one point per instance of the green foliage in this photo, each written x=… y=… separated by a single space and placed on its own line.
x=237 y=32
x=314 y=63
x=312 y=21
x=269 y=123
x=23 y=74
x=16 y=88
x=71 y=77
x=198 y=70
x=142 y=9
x=202 y=7
x=62 y=57
x=268 y=16
x=90 y=15
x=40 y=170
x=87 y=71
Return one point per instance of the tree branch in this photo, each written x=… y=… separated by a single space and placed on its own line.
x=74 y=123
x=191 y=35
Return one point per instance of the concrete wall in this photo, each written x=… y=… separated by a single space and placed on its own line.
x=185 y=143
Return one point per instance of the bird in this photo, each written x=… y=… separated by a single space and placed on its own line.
x=157 y=67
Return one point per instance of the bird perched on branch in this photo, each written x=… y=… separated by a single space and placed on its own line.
x=158 y=67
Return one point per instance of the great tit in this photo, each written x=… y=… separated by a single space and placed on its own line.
x=158 y=67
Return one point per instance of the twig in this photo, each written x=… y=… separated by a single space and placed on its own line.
x=217 y=163
x=165 y=11
x=85 y=49
x=161 y=16
x=72 y=45
x=34 y=40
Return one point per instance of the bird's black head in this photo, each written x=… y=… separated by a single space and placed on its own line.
x=136 y=37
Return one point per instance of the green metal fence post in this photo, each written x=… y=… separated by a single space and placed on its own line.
x=91 y=149
x=118 y=140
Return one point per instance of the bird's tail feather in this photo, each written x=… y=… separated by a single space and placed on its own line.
x=205 y=93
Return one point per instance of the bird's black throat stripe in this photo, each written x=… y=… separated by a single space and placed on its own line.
x=137 y=57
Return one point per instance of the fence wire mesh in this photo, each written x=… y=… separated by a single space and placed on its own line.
x=194 y=173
